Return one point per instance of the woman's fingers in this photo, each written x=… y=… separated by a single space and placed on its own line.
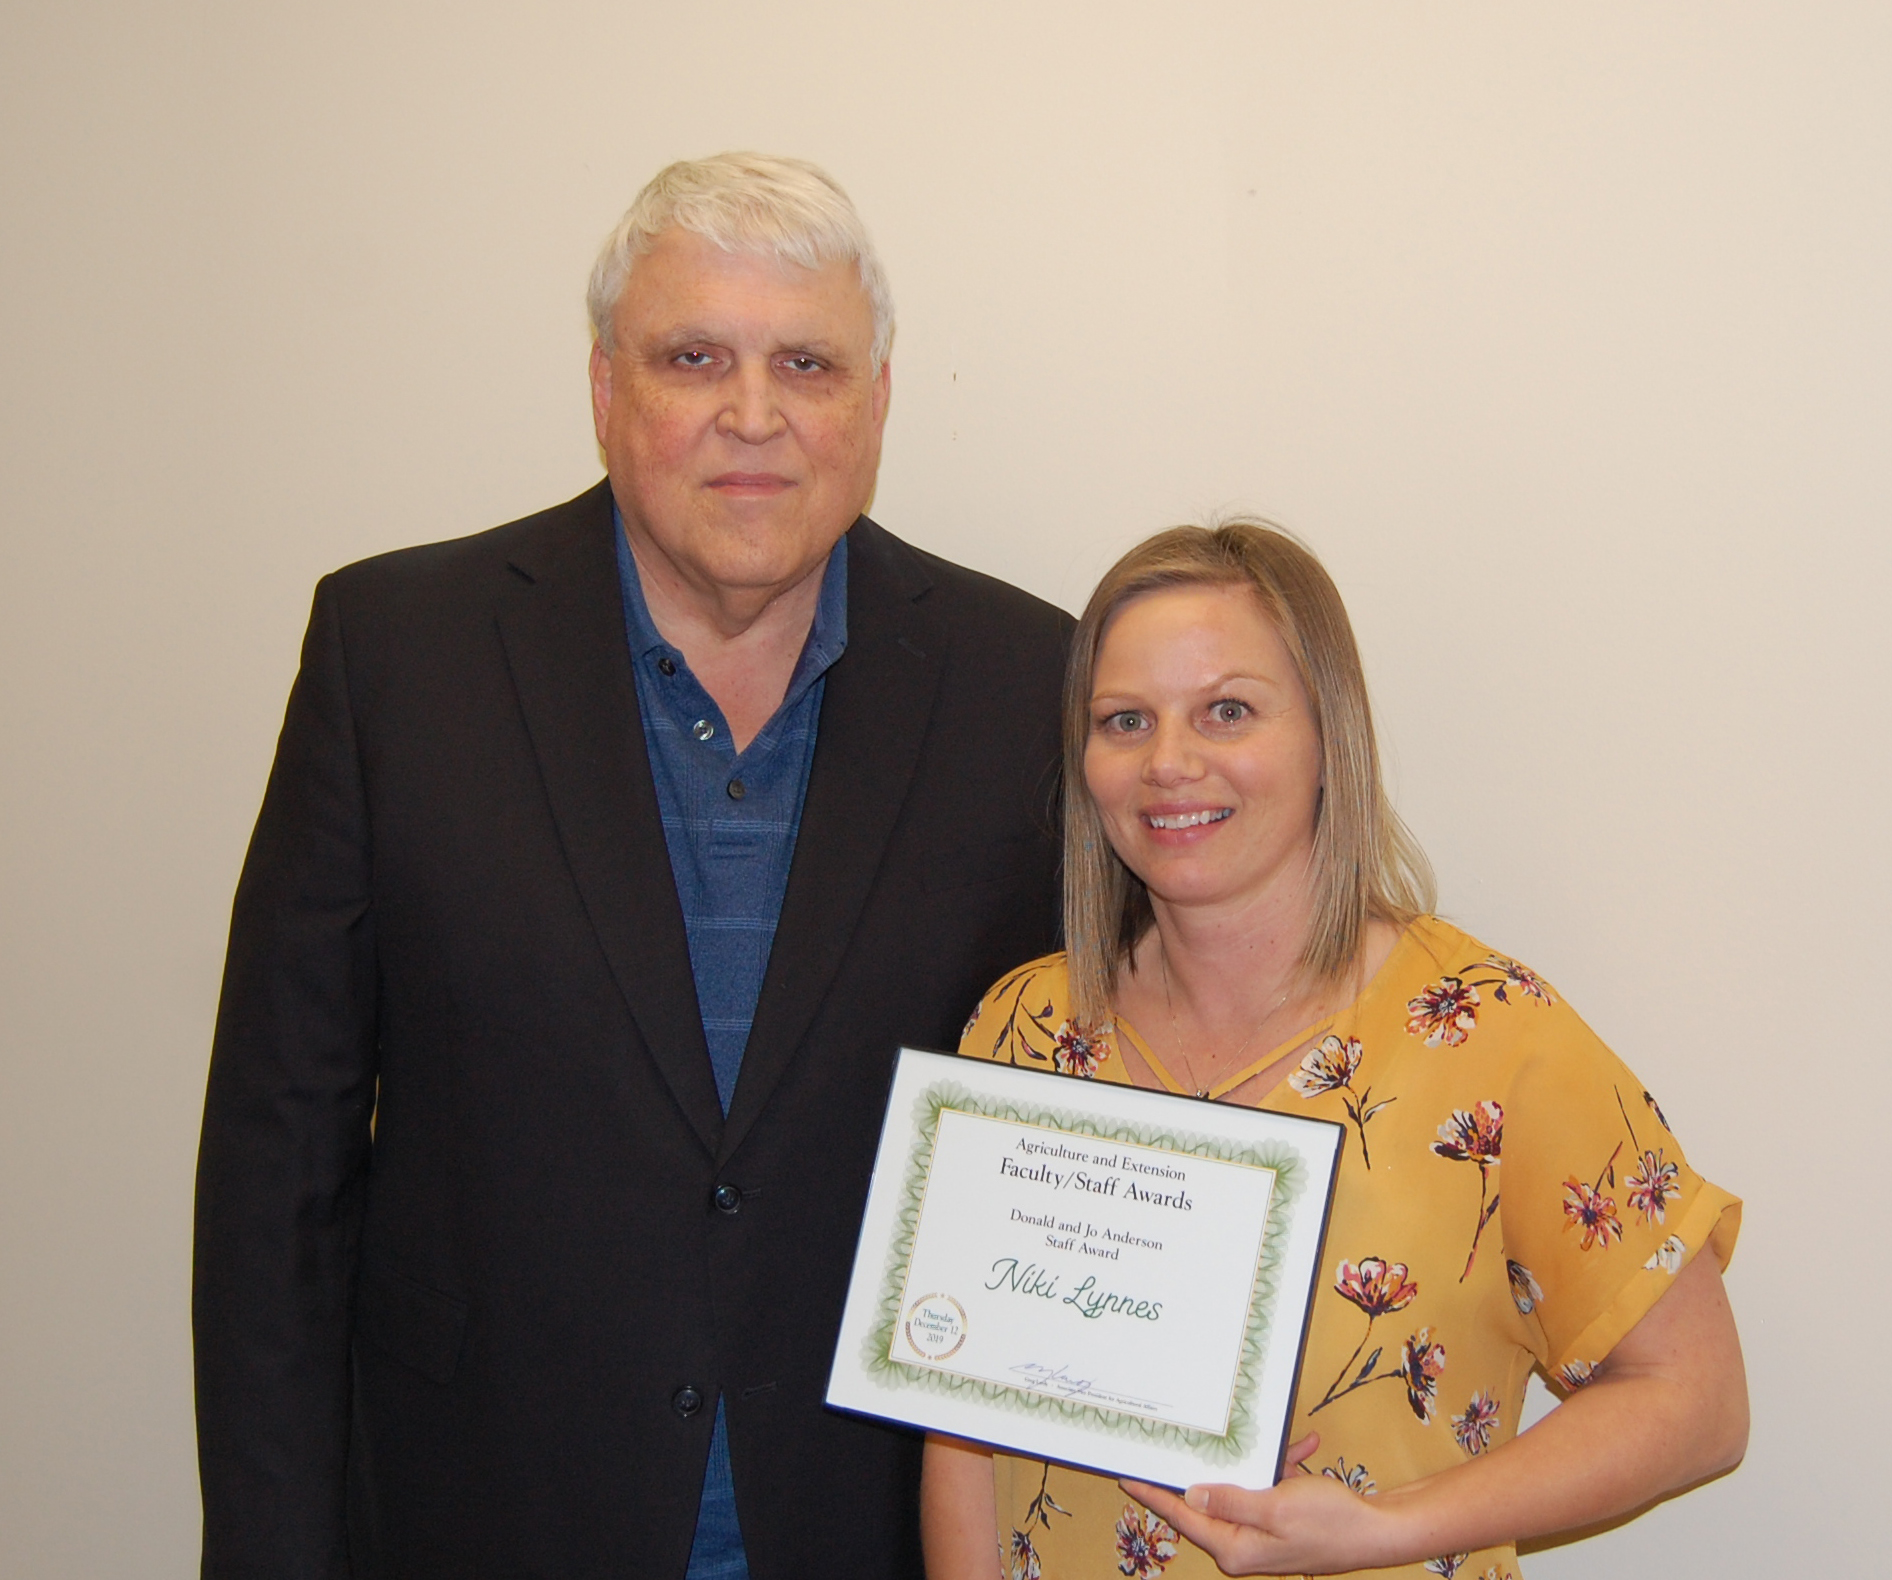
x=1214 y=1525
x=1299 y=1452
x=1231 y=1505
x=1160 y=1499
x=1302 y=1525
x=1182 y=1514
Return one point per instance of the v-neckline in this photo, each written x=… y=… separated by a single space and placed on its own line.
x=1231 y=1081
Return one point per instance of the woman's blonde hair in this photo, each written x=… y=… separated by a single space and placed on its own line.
x=1366 y=864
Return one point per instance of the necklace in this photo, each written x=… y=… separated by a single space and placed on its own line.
x=1189 y=1069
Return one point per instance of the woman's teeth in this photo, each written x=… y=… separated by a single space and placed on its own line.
x=1191 y=819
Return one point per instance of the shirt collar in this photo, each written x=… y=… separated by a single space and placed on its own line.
x=827 y=637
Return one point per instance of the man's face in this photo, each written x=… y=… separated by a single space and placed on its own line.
x=739 y=413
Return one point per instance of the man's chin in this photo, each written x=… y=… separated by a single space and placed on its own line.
x=758 y=559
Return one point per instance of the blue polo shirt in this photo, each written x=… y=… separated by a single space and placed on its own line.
x=730 y=821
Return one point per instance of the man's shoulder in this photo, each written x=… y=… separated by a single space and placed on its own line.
x=961 y=593
x=532 y=546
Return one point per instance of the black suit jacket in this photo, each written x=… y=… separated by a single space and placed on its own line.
x=460 y=1271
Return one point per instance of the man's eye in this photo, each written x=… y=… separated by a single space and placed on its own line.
x=802 y=364
x=694 y=359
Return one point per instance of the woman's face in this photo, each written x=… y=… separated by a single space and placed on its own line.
x=1203 y=757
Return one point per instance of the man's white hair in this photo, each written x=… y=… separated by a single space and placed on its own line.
x=744 y=203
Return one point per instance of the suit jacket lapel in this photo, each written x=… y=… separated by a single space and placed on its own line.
x=563 y=628
x=875 y=710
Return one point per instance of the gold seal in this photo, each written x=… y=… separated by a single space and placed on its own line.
x=935 y=1326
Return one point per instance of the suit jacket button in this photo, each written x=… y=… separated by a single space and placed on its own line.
x=686 y=1401
x=726 y=1198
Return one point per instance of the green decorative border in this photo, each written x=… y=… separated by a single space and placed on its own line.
x=1237 y=1442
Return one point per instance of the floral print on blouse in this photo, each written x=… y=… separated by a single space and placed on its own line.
x=1510 y=1199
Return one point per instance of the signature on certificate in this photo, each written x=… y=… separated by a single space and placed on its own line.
x=1058 y=1380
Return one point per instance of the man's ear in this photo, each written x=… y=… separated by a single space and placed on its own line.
x=600 y=389
x=883 y=390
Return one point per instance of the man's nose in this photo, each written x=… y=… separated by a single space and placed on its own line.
x=753 y=414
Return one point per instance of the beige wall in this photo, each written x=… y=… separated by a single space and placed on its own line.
x=1562 y=331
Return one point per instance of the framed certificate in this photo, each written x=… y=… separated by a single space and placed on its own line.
x=1111 y=1277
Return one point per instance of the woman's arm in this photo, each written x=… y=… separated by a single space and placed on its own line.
x=959 y=1517
x=1666 y=1409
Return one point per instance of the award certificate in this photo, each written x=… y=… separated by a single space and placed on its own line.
x=1092 y=1273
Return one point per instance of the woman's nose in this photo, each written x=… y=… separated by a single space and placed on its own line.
x=1174 y=755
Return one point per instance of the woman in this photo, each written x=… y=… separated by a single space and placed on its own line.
x=1245 y=916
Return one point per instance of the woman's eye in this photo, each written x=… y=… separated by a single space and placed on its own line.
x=1125 y=722
x=1228 y=712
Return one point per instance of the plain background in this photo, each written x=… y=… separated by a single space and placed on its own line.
x=1561 y=331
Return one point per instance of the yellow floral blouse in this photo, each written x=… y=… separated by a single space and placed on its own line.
x=1510 y=1198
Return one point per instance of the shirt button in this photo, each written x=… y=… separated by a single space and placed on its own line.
x=727 y=1198
x=737 y=790
x=666 y=666
x=686 y=1401
x=702 y=729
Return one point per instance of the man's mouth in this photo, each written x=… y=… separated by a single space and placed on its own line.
x=1176 y=820
x=750 y=482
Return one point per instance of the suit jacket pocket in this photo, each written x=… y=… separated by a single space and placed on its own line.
x=984 y=861
x=415 y=1325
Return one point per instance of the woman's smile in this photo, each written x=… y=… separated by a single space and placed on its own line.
x=1187 y=820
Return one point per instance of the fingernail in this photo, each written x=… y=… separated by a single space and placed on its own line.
x=1197 y=1498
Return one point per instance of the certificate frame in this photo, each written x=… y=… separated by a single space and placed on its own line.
x=1246 y=1288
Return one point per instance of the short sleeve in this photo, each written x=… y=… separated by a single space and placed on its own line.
x=1599 y=1207
x=1025 y=1019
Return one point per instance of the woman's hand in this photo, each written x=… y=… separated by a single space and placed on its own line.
x=1302 y=1525
x=1667 y=1408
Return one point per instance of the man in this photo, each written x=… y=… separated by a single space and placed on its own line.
x=607 y=858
